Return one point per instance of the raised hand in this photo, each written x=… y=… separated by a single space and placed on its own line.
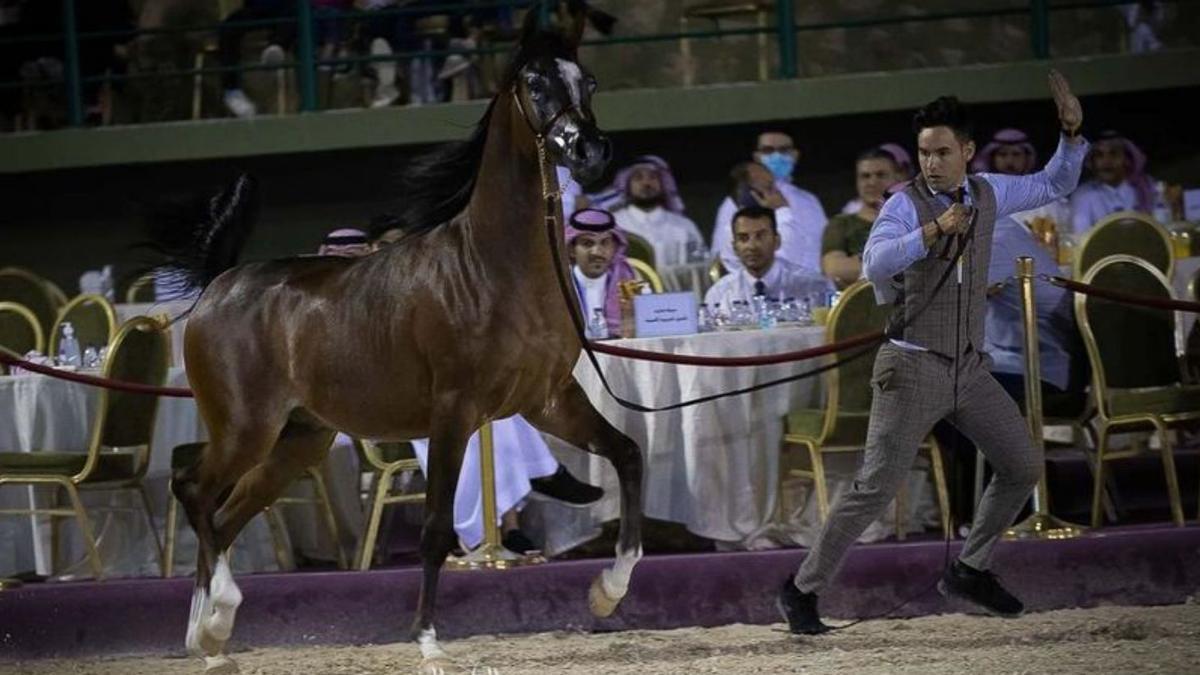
x=1070 y=112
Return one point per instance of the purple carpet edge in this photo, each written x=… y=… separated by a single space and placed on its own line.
x=1125 y=566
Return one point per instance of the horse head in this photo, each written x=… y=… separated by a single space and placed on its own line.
x=554 y=94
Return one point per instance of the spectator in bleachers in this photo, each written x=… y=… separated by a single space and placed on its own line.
x=904 y=173
x=596 y=248
x=1119 y=182
x=1010 y=152
x=282 y=35
x=800 y=225
x=756 y=240
x=644 y=199
x=845 y=235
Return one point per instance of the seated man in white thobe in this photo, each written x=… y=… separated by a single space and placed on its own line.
x=646 y=202
x=1011 y=153
x=1119 y=182
x=761 y=272
x=769 y=180
x=524 y=468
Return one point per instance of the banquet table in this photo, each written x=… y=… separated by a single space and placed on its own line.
x=713 y=467
x=42 y=413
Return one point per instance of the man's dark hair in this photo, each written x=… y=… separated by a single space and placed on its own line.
x=380 y=224
x=876 y=153
x=754 y=213
x=945 y=111
x=739 y=175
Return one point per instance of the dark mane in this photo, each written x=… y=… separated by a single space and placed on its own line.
x=436 y=186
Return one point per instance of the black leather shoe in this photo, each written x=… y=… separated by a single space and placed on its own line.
x=799 y=609
x=564 y=487
x=980 y=588
x=517 y=542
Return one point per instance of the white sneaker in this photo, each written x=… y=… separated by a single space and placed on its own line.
x=385 y=95
x=273 y=55
x=239 y=104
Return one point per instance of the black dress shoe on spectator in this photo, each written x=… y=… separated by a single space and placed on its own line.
x=517 y=542
x=980 y=588
x=564 y=487
x=799 y=609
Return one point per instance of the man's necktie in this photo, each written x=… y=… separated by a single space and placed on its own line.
x=760 y=288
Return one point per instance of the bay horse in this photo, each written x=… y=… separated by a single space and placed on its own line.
x=460 y=322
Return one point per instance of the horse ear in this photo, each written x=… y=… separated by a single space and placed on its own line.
x=530 y=27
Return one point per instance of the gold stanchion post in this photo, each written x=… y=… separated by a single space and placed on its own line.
x=1040 y=525
x=490 y=554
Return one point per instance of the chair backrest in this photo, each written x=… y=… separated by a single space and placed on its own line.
x=141 y=290
x=646 y=273
x=377 y=455
x=639 y=249
x=56 y=293
x=26 y=288
x=19 y=329
x=716 y=270
x=856 y=314
x=1128 y=346
x=93 y=318
x=139 y=352
x=1125 y=233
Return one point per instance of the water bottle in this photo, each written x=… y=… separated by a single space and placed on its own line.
x=597 y=328
x=704 y=321
x=68 y=347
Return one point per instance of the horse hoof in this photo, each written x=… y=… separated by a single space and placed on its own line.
x=599 y=602
x=437 y=665
x=220 y=665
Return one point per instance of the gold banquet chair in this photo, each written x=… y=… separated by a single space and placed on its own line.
x=1137 y=380
x=118 y=453
x=639 y=249
x=385 y=462
x=92 y=317
x=26 y=288
x=646 y=273
x=1125 y=233
x=841 y=426
x=187 y=454
x=141 y=291
x=20 y=331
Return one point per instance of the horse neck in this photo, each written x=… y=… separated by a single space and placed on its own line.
x=507 y=210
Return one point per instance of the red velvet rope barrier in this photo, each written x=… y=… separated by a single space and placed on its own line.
x=1125 y=298
x=737 y=361
x=9 y=359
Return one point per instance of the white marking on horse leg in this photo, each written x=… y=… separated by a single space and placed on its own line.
x=220 y=665
x=226 y=597
x=430 y=649
x=201 y=606
x=616 y=579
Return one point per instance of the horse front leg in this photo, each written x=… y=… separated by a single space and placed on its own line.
x=448 y=437
x=573 y=418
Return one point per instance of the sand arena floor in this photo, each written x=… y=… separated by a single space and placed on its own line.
x=1092 y=641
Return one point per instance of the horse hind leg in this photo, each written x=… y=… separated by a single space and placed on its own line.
x=573 y=419
x=203 y=489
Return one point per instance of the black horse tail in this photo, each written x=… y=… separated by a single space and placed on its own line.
x=193 y=242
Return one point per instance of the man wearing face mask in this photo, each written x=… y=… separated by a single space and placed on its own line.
x=933 y=367
x=799 y=214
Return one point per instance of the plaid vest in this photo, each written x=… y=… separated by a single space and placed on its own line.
x=934 y=328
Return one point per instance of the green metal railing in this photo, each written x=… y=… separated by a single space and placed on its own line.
x=306 y=63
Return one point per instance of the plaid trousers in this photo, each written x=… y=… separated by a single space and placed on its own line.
x=912 y=391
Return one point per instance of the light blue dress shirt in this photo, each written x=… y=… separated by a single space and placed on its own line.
x=896 y=240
